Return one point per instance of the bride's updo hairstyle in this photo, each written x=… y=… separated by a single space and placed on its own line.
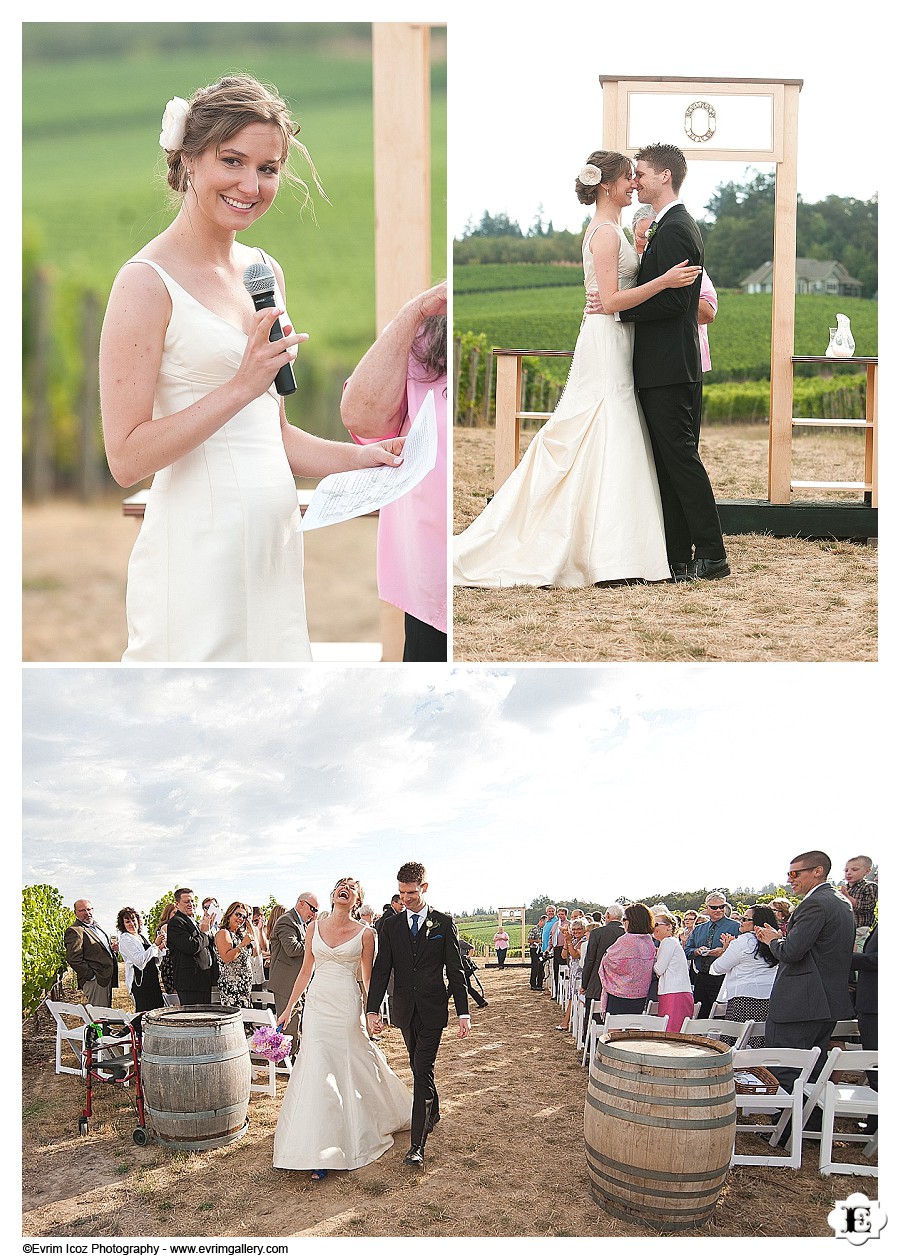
x=612 y=166
x=220 y=111
x=360 y=895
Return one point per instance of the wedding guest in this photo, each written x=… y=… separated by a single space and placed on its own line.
x=166 y=965
x=260 y=947
x=274 y=914
x=598 y=943
x=192 y=948
x=211 y=912
x=380 y=400
x=92 y=955
x=501 y=945
x=782 y=909
x=626 y=967
x=367 y=915
x=688 y=923
x=188 y=396
x=141 y=959
x=573 y=957
x=534 y=952
x=865 y=965
x=235 y=943
x=862 y=894
x=750 y=968
x=704 y=945
x=676 y=996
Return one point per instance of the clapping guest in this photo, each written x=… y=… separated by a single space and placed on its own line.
x=573 y=956
x=626 y=968
x=676 y=996
x=141 y=959
x=688 y=923
x=234 y=944
x=782 y=908
x=750 y=967
x=260 y=947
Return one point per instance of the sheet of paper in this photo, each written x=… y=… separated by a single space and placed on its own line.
x=344 y=495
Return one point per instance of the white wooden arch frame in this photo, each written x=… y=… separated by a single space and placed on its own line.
x=519 y=913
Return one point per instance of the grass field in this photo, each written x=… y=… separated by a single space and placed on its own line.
x=481 y=932
x=94 y=192
x=546 y=314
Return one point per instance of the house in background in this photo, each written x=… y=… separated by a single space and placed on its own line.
x=825 y=278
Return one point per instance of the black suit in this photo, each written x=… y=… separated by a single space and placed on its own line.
x=865 y=964
x=669 y=381
x=599 y=941
x=420 y=998
x=811 y=990
x=184 y=940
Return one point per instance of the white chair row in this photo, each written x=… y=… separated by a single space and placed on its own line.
x=617 y=1022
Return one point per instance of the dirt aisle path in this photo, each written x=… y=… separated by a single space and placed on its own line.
x=506 y=1161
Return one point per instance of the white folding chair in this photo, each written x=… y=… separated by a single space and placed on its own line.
x=787 y=1104
x=562 y=987
x=262 y=999
x=847 y=1032
x=838 y=1099
x=735 y=1033
x=756 y=1031
x=69 y=1036
x=636 y=1022
x=592 y=1031
x=253 y=1019
x=576 y=1020
x=170 y=998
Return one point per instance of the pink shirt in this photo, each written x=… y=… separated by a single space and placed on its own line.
x=708 y=293
x=412 y=532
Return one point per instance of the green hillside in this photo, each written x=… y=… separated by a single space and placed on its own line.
x=94 y=192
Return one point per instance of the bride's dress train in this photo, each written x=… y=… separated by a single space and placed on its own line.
x=583 y=505
x=343 y=1101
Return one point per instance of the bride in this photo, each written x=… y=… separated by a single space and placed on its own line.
x=583 y=504
x=343 y=1101
x=187 y=395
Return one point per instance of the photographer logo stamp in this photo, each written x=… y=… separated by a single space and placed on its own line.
x=857 y=1219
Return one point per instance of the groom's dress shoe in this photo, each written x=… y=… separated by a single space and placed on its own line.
x=709 y=570
x=682 y=572
x=415 y=1157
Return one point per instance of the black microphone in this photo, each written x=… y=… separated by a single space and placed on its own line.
x=259 y=281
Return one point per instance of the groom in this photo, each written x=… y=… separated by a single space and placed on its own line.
x=667 y=372
x=418 y=946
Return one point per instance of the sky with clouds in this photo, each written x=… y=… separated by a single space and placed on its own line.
x=526 y=105
x=506 y=783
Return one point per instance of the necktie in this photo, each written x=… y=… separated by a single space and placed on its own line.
x=415 y=926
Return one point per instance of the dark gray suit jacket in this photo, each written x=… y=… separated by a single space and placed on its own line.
x=599 y=941
x=814 y=961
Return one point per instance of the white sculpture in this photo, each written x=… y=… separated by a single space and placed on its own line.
x=841 y=343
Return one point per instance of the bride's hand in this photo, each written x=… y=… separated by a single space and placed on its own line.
x=263 y=358
x=681 y=276
x=389 y=451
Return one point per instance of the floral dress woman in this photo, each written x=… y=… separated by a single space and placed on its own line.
x=235 y=977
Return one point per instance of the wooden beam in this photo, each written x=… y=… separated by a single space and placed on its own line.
x=781 y=393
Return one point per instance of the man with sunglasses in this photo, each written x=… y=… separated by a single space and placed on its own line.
x=703 y=946
x=811 y=986
x=287 y=945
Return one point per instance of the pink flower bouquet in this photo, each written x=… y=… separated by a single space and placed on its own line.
x=269 y=1043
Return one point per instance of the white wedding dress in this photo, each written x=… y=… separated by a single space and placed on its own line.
x=343 y=1101
x=216 y=573
x=582 y=506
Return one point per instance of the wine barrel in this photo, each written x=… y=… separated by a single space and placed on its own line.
x=659 y=1124
x=195 y=1071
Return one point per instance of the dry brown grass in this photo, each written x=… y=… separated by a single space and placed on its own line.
x=512 y=1099
x=74 y=562
x=788 y=599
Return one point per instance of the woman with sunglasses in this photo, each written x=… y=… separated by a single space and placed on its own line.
x=750 y=967
x=235 y=943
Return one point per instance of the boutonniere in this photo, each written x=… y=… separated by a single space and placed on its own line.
x=429 y=923
x=651 y=232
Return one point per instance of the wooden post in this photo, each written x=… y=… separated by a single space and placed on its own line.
x=39 y=464
x=402 y=126
x=781 y=394
x=871 y=473
x=88 y=402
x=506 y=427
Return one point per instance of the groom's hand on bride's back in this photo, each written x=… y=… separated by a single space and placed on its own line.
x=593 y=304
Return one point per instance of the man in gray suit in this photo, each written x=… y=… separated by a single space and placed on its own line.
x=811 y=985
x=286 y=948
x=599 y=941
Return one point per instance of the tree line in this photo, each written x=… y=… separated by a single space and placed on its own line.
x=737 y=232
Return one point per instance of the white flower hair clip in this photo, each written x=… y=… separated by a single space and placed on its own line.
x=591 y=175
x=174 y=121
